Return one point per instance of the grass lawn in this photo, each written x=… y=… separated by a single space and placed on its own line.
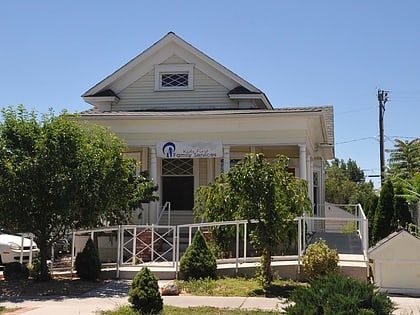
x=237 y=287
x=221 y=287
x=5 y=310
x=172 y=310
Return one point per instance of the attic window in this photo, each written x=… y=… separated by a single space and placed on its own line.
x=174 y=77
x=174 y=80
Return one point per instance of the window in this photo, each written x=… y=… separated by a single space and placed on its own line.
x=177 y=167
x=174 y=77
x=169 y=80
x=233 y=163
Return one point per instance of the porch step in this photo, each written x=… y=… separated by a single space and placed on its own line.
x=177 y=217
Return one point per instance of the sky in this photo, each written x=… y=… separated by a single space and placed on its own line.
x=299 y=53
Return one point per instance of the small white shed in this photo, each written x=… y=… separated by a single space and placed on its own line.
x=396 y=263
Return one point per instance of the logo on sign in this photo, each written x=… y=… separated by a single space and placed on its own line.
x=168 y=149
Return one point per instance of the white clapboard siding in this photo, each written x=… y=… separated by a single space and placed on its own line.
x=207 y=94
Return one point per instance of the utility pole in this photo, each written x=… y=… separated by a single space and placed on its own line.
x=382 y=99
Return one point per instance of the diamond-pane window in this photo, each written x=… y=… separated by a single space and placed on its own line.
x=169 y=77
x=174 y=80
x=177 y=167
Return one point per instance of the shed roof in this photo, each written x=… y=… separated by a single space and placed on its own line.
x=387 y=241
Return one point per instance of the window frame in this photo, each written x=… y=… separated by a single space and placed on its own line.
x=174 y=69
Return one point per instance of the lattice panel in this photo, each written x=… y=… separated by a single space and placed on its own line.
x=177 y=167
x=175 y=80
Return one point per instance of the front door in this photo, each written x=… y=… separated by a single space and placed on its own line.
x=178 y=183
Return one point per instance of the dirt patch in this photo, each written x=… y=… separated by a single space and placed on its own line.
x=63 y=285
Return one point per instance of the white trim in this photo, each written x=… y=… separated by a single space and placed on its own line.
x=144 y=159
x=302 y=161
x=210 y=170
x=226 y=158
x=217 y=167
x=196 y=174
x=173 y=69
x=396 y=261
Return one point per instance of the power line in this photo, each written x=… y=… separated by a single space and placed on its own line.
x=356 y=140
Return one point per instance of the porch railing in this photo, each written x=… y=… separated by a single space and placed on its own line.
x=358 y=223
x=124 y=245
x=166 y=207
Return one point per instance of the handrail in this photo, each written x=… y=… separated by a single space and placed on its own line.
x=363 y=228
x=166 y=206
x=359 y=219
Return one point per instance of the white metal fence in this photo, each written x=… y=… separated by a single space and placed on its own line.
x=163 y=245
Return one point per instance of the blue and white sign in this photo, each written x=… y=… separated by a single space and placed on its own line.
x=189 y=150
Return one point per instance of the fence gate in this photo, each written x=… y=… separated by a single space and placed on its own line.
x=147 y=244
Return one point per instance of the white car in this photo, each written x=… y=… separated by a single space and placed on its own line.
x=11 y=248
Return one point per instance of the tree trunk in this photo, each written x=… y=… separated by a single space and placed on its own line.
x=266 y=267
x=45 y=255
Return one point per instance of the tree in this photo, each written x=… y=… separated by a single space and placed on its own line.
x=370 y=209
x=353 y=172
x=338 y=186
x=382 y=224
x=58 y=174
x=88 y=264
x=198 y=262
x=404 y=159
x=402 y=215
x=265 y=194
x=345 y=184
x=144 y=294
x=404 y=168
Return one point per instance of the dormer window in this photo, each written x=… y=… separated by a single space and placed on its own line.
x=174 y=77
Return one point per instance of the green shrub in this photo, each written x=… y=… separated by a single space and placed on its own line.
x=35 y=268
x=88 y=264
x=198 y=262
x=144 y=294
x=15 y=271
x=334 y=294
x=319 y=259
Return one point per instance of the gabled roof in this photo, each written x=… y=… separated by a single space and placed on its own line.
x=390 y=238
x=162 y=50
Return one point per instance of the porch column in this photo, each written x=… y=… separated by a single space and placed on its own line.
x=210 y=171
x=152 y=215
x=226 y=158
x=309 y=171
x=302 y=161
x=144 y=159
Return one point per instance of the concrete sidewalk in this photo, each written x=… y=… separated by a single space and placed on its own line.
x=115 y=294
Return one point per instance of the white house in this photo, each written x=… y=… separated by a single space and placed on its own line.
x=187 y=118
x=396 y=263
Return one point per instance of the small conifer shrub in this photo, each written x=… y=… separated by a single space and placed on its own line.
x=320 y=260
x=198 y=262
x=144 y=294
x=88 y=264
x=334 y=294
